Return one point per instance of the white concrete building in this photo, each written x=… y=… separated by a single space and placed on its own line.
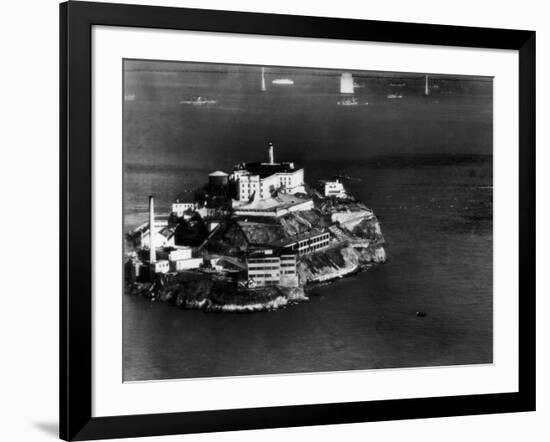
x=289 y=276
x=265 y=269
x=163 y=236
x=161 y=266
x=180 y=207
x=308 y=243
x=185 y=264
x=334 y=188
x=263 y=179
x=180 y=253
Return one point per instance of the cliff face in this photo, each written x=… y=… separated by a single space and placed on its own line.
x=220 y=294
x=355 y=250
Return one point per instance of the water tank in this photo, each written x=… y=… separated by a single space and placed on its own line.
x=218 y=179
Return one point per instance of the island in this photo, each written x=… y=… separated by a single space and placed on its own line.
x=255 y=239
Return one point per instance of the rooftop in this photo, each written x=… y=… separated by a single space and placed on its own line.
x=218 y=173
x=281 y=201
x=267 y=169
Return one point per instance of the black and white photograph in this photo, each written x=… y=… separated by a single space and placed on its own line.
x=267 y=221
x=282 y=220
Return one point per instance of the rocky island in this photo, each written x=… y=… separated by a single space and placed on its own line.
x=252 y=240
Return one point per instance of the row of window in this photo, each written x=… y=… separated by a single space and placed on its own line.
x=262 y=268
x=262 y=260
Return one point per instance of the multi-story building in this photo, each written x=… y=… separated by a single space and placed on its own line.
x=263 y=179
x=266 y=268
x=307 y=243
x=289 y=275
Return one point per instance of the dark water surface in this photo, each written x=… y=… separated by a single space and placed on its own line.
x=435 y=211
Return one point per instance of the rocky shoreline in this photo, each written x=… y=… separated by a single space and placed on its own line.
x=202 y=292
x=357 y=244
x=220 y=295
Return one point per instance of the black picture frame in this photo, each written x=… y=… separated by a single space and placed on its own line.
x=76 y=21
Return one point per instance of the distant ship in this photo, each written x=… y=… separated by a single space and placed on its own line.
x=283 y=81
x=129 y=97
x=398 y=84
x=350 y=101
x=394 y=96
x=346 y=89
x=198 y=101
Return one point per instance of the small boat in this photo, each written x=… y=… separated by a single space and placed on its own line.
x=421 y=314
x=398 y=84
x=348 y=101
x=199 y=101
x=129 y=97
x=283 y=81
x=394 y=96
x=343 y=176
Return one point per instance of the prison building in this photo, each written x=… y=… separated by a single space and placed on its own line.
x=263 y=179
x=307 y=243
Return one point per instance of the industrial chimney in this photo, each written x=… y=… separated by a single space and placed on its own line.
x=152 y=251
x=271 y=158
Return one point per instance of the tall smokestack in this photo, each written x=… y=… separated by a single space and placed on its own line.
x=152 y=251
x=271 y=157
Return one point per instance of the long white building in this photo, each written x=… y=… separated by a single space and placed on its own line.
x=263 y=179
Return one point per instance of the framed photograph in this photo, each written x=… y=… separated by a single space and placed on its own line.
x=272 y=221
